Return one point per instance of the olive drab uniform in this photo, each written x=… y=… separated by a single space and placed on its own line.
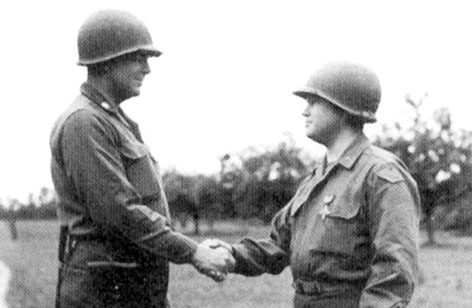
x=349 y=234
x=112 y=200
x=116 y=242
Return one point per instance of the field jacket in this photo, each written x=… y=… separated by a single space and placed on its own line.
x=107 y=181
x=353 y=226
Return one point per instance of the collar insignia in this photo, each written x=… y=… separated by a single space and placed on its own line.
x=105 y=106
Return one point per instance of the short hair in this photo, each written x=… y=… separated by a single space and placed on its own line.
x=355 y=121
x=98 y=69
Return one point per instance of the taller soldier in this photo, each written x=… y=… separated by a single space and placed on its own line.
x=112 y=205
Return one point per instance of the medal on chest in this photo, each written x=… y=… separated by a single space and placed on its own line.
x=327 y=200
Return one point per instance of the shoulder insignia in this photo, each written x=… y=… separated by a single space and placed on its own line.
x=390 y=174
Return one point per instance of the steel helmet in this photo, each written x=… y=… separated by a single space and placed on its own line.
x=350 y=86
x=108 y=34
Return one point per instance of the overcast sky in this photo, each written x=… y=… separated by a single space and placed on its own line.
x=225 y=79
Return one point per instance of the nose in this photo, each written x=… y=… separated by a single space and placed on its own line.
x=306 y=111
x=145 y=66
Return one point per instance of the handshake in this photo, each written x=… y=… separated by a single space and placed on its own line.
x=214 y=258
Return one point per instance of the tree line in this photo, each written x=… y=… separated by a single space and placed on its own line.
x=256 y=182
x=253 y=184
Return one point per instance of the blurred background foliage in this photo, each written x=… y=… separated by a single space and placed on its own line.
x=256 y=182
x=252 y=184
x=439 y=158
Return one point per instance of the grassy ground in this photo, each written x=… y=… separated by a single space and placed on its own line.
x=446 y=274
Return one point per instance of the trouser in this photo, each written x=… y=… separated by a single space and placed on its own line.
x=91 y=278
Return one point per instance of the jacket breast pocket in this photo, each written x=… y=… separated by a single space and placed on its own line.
x=344 y=230
x=141 y=170
x=344 y=210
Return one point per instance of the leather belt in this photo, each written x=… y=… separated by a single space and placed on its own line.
x=316 y=288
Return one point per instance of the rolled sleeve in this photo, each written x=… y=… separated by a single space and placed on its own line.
x=394 y=229
x=95 y=168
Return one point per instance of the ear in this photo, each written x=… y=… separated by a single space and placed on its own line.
x=107 y=68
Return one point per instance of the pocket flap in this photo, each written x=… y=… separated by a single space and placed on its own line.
x=344 y=210
x=134 y=150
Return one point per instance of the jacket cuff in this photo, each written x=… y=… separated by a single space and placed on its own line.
x=183 y=249
x=173 y=246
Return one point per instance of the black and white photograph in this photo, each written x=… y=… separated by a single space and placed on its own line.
x=269 y=154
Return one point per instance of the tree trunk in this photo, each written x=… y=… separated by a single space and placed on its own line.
x=430 y=231
x=196 y=220
x=13 y=229
x=211 y=223
x=428 y=207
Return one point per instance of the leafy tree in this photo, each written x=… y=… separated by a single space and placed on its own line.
x=191 y=196
x=264 y=180
x=438 y=157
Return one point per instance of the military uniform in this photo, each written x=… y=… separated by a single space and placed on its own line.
x=112 y=200
x=350 y=234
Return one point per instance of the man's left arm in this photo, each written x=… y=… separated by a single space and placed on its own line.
x=394 y=226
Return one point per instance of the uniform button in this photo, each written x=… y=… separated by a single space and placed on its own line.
x=328 y=199
x=105 y=105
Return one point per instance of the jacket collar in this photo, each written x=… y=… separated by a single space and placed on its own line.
x=354 y=151
x=350 y=155
x=98 y=98
x=347 y=160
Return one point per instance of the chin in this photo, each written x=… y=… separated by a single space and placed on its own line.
x=134 y=92
x=313 y=137
x=310 y=134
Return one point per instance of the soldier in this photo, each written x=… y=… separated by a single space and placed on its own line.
x=112 y=205
x=350 y=233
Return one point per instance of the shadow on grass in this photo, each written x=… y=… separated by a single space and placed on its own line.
x=438 y=245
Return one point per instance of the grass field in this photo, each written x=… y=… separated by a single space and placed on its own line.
x=446 y=274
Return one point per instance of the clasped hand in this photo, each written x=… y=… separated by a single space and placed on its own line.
x=214 y=258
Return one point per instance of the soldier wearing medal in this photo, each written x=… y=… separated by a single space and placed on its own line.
x=350 y=233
